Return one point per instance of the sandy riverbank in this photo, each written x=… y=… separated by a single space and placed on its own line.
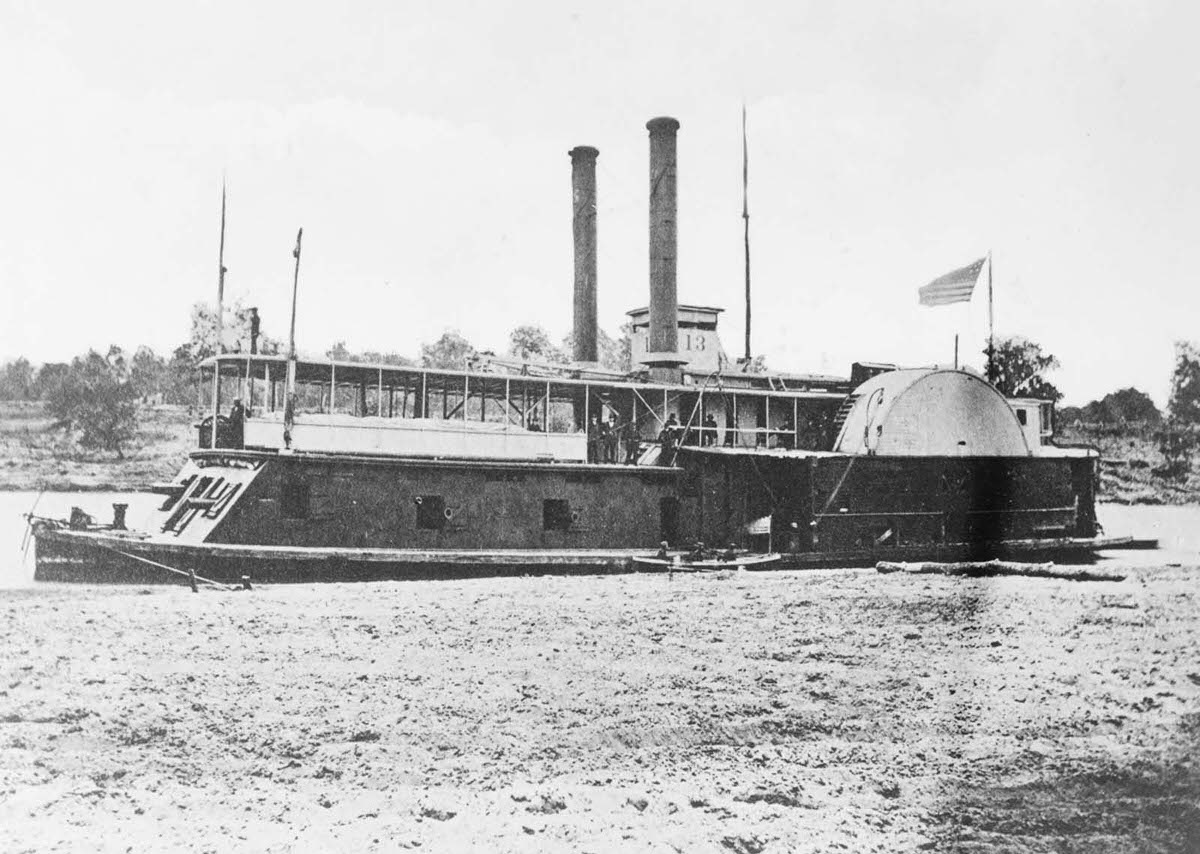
x=820 y=711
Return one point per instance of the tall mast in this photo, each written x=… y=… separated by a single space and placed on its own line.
x=746 y=222
x=289 y=404
x=221 y=271
x=295 y=287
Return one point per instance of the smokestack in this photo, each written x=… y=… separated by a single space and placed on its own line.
x=583 y=192
x=664 y=303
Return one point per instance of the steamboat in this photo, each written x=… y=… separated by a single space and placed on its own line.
x=339 y=471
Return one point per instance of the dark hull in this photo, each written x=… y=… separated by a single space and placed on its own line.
x=95 y=557
x=102 y=558
x=326 y=517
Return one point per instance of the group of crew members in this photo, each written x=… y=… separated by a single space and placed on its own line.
x=605 y=440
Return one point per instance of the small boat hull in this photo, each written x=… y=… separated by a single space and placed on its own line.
x=745 y=561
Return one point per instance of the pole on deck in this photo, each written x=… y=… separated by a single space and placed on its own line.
x=216 y=403
x=746 y=223
x=221 y=271
x=289 y=406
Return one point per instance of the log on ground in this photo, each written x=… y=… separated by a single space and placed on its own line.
x=990 y=568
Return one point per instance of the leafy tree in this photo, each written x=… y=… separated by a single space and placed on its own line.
x=533 y=342
x=182 y=378
x=1020 y=367
x=149 y=373
x=378 y=358
x=1180 y=437
x=17 y=380
x=48 y=376
x=117 y=362
x=449 y=351
x=614 y=353
x=202 y=339
x=183 y=368
x=1126 y=406
x=1184 y=405
x=95 y=397
x=339 y=352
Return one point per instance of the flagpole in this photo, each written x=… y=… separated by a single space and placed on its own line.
x=221 y=277
x=216 y=402
x=295 y=287
x=991 y=362
x=289 y=406
x=746 y=222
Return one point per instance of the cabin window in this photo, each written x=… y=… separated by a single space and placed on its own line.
x=431 y=512
x=556 y=514
x=1023 y=417
x=293 y=500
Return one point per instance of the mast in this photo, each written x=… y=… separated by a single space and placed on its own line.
x=216 y=390
x=221 y=271
x=746 y=223
x=295 y=288
x=289 y=407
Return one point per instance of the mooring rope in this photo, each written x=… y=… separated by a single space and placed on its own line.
x=188 y=575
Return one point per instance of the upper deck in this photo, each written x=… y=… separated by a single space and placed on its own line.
x=506 y=410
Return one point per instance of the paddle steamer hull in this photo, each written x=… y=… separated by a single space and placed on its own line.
x=315 y=517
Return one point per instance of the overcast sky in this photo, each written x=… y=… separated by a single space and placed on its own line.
x=423 y=148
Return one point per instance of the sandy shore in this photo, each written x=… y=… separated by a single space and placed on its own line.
x=819 y=711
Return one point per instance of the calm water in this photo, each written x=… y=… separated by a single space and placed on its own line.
x=1177 y=528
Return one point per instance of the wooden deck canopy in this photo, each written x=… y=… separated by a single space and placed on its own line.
x=797 y=417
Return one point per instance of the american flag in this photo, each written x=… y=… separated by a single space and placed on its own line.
x=952 y=287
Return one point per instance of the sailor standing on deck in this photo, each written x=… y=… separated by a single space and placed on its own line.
x=669 y=439
x=608 y=441
x=593 y=440
x=237 y=423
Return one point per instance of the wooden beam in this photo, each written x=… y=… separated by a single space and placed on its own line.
x=992 y=568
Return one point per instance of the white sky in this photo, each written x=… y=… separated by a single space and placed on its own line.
x=423 y=147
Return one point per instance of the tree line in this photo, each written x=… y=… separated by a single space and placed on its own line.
x=98 y=395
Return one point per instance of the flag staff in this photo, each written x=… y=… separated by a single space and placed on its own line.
x=295 y=287
x=991 y=356
x=221 y=271
x=289 y=406
x=746 y=222
x=216 y=401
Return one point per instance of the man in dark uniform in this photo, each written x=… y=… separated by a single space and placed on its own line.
x=669 y=439
x=593 y=440
x=608 y=441
x=237 y=423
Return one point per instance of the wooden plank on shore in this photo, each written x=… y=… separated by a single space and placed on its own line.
x=991 y=568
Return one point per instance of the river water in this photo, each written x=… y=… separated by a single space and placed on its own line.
x=1177 y=528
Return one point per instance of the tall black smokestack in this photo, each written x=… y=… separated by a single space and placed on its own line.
x=664 y=303
x=583 y=191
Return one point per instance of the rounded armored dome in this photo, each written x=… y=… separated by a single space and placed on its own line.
x=931 y=412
